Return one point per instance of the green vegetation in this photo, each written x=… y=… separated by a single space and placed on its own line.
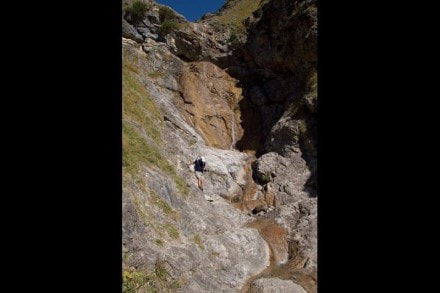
x=133 y=280
x=136 y=150
x=142 y=146
x=168 y=26
x=147 y=281
x=160 y=271
x=136 y=102
x=168 y=20
x=137 y=10
x=166 y=13
x=198 y=241
x=163 y=205
x=173 y=232
x=126 y=256
x=234 y=17
x=159 y=242
x=138 y=107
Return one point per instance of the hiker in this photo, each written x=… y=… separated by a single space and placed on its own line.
x=199 y=168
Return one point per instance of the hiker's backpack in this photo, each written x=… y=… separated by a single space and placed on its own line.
x=200 y=162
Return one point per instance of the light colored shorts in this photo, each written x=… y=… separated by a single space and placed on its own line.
x=199 y=174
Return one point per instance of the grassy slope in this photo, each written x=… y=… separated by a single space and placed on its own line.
x=235 y=16
x=140 y=109
x=144 y=149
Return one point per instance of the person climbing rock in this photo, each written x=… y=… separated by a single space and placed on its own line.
x=199 y=169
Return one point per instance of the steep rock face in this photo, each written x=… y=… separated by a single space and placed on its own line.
x=284 y=39
x=207 y=96
x=278 y=68
x=172 y=239
x=208 y=99
x=201 y=41
x=281 y=60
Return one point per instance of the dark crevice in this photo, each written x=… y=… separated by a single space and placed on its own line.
x=184 y=58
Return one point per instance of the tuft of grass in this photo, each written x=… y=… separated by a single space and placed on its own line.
x=159 y=242
x=133 y=280
x=164 y=206
x=173 y=232
x=160 y=271
x=168 y=26
x=198 y=241
x=168 y=20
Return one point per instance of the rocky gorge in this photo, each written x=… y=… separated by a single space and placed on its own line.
x=238 y=87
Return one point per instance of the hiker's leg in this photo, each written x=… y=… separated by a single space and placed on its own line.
x=198 y=178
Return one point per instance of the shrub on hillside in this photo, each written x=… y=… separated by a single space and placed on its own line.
x=166 y=13
x=137 y=10
x=168 y=26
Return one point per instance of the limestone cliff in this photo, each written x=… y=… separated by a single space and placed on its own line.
x=238 y=87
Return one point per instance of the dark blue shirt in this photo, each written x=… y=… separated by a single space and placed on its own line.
x=199 y=165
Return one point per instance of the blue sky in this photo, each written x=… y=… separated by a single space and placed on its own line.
x=193 y=9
